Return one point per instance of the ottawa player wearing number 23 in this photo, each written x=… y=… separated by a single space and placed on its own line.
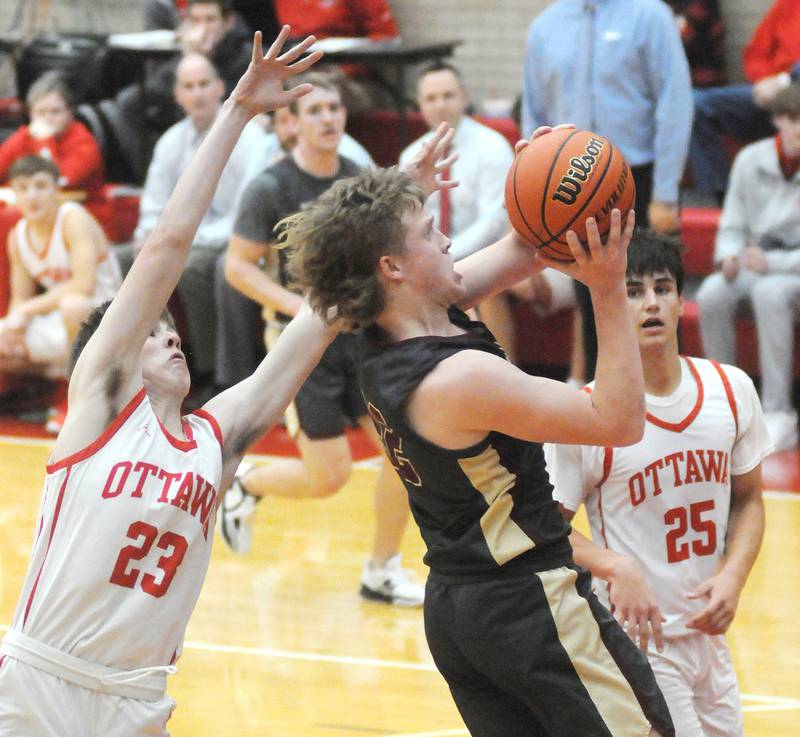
x=123 y=539
x=677 y=518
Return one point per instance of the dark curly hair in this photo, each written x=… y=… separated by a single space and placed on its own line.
x=650 y=252
x=336 y=242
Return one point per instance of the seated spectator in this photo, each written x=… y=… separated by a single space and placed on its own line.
x=283 y=137
x=371 y=19
x=771 y=62
x=472 y=214
x=61 y=269
x=758 y=255
x=703 y=35
x=140 y=113
x=54 y=134
x=199 y=92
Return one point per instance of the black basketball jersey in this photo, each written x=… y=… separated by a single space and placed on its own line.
x=480 y=509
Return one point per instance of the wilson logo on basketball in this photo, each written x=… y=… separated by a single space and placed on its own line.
x=580 y=170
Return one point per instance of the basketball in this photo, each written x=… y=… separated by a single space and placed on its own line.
x=559 y=180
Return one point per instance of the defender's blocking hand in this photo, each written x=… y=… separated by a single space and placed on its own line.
x=261 y=87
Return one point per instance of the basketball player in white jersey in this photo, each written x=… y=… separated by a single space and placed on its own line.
x=61 y=268
x=126 y=524
x=677 y=519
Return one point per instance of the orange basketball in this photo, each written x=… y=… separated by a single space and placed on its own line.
x=559 y=180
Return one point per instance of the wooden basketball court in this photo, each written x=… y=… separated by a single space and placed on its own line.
x=281 y=645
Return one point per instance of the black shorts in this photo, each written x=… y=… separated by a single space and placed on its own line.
x=537 y=655
x=330 y=400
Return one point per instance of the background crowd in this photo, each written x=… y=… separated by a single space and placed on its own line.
x=653 y=79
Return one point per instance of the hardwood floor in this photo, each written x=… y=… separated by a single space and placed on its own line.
x=281 y=645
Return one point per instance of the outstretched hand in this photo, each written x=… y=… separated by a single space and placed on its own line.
x=261 y=87
x=432 y=160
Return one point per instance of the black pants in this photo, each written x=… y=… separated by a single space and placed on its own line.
x=537 y=655
x=643 y=177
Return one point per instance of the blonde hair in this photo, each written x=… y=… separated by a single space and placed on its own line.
x=336 y=242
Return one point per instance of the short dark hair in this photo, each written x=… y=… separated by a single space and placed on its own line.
x=441 y=66
x=27 y=166
x=89 y=326
x=225 y=6
x=786 y=102
x=50 y=82
x=650 y=252
x=337 y=241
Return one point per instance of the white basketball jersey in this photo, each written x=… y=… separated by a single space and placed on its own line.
x=124 y=540
x=52 y=266
x=665 y=501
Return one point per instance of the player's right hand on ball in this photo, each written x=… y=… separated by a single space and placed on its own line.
x=599 y=265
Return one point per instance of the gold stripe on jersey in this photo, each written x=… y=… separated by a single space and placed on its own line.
x=579 y=634
x=504 y=537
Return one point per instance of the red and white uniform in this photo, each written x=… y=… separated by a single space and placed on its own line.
x=46 y=335
x=121 y=551
x=51 y=267
x=665 y=501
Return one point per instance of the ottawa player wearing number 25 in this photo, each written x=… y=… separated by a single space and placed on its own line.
x=124 y=534
x=677 y=519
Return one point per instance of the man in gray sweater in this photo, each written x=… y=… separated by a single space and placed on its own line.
x=758 y=256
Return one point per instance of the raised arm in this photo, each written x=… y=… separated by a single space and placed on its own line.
x=248 y=409
x=113 y=351
x=539 y=409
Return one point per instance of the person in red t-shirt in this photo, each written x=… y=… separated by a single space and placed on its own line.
x=371 y=19
x=54 y=134
x=771 y=62
x=347 y=18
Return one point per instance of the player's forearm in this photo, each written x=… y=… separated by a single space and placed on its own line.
x=49 y=300
x=618 y=395
x=600 y=561
x=746 y=526
x=496 y=268
x=251 y=281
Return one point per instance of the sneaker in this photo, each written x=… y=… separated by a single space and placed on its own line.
x=782 y=430
x=392 y=584
x=235 y=514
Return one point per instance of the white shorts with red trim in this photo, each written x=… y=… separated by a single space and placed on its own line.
x=698 y=681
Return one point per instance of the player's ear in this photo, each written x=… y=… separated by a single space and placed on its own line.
x=390 y=268
x=682 y=303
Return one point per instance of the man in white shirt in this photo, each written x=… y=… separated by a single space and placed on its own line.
x=677 y=518
x=472 y=214
x=199 y=91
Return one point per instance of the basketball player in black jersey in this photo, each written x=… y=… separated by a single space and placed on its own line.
x=511 y=622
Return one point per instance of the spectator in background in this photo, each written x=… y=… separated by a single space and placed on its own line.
x=330 y=400
x=61 y=268
x=371 y=19
x=703 y=35
x=473 y=214
x=199 y=92
x=284 y=137
x=338 y=18
x=630 y=83
x=142 y=112
x=239 y=317
x=771 y=62
x=54 y=134
x=758 y=255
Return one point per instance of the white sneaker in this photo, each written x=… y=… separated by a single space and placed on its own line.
x=782 y=429
x=391 y=583
x=235 y=514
